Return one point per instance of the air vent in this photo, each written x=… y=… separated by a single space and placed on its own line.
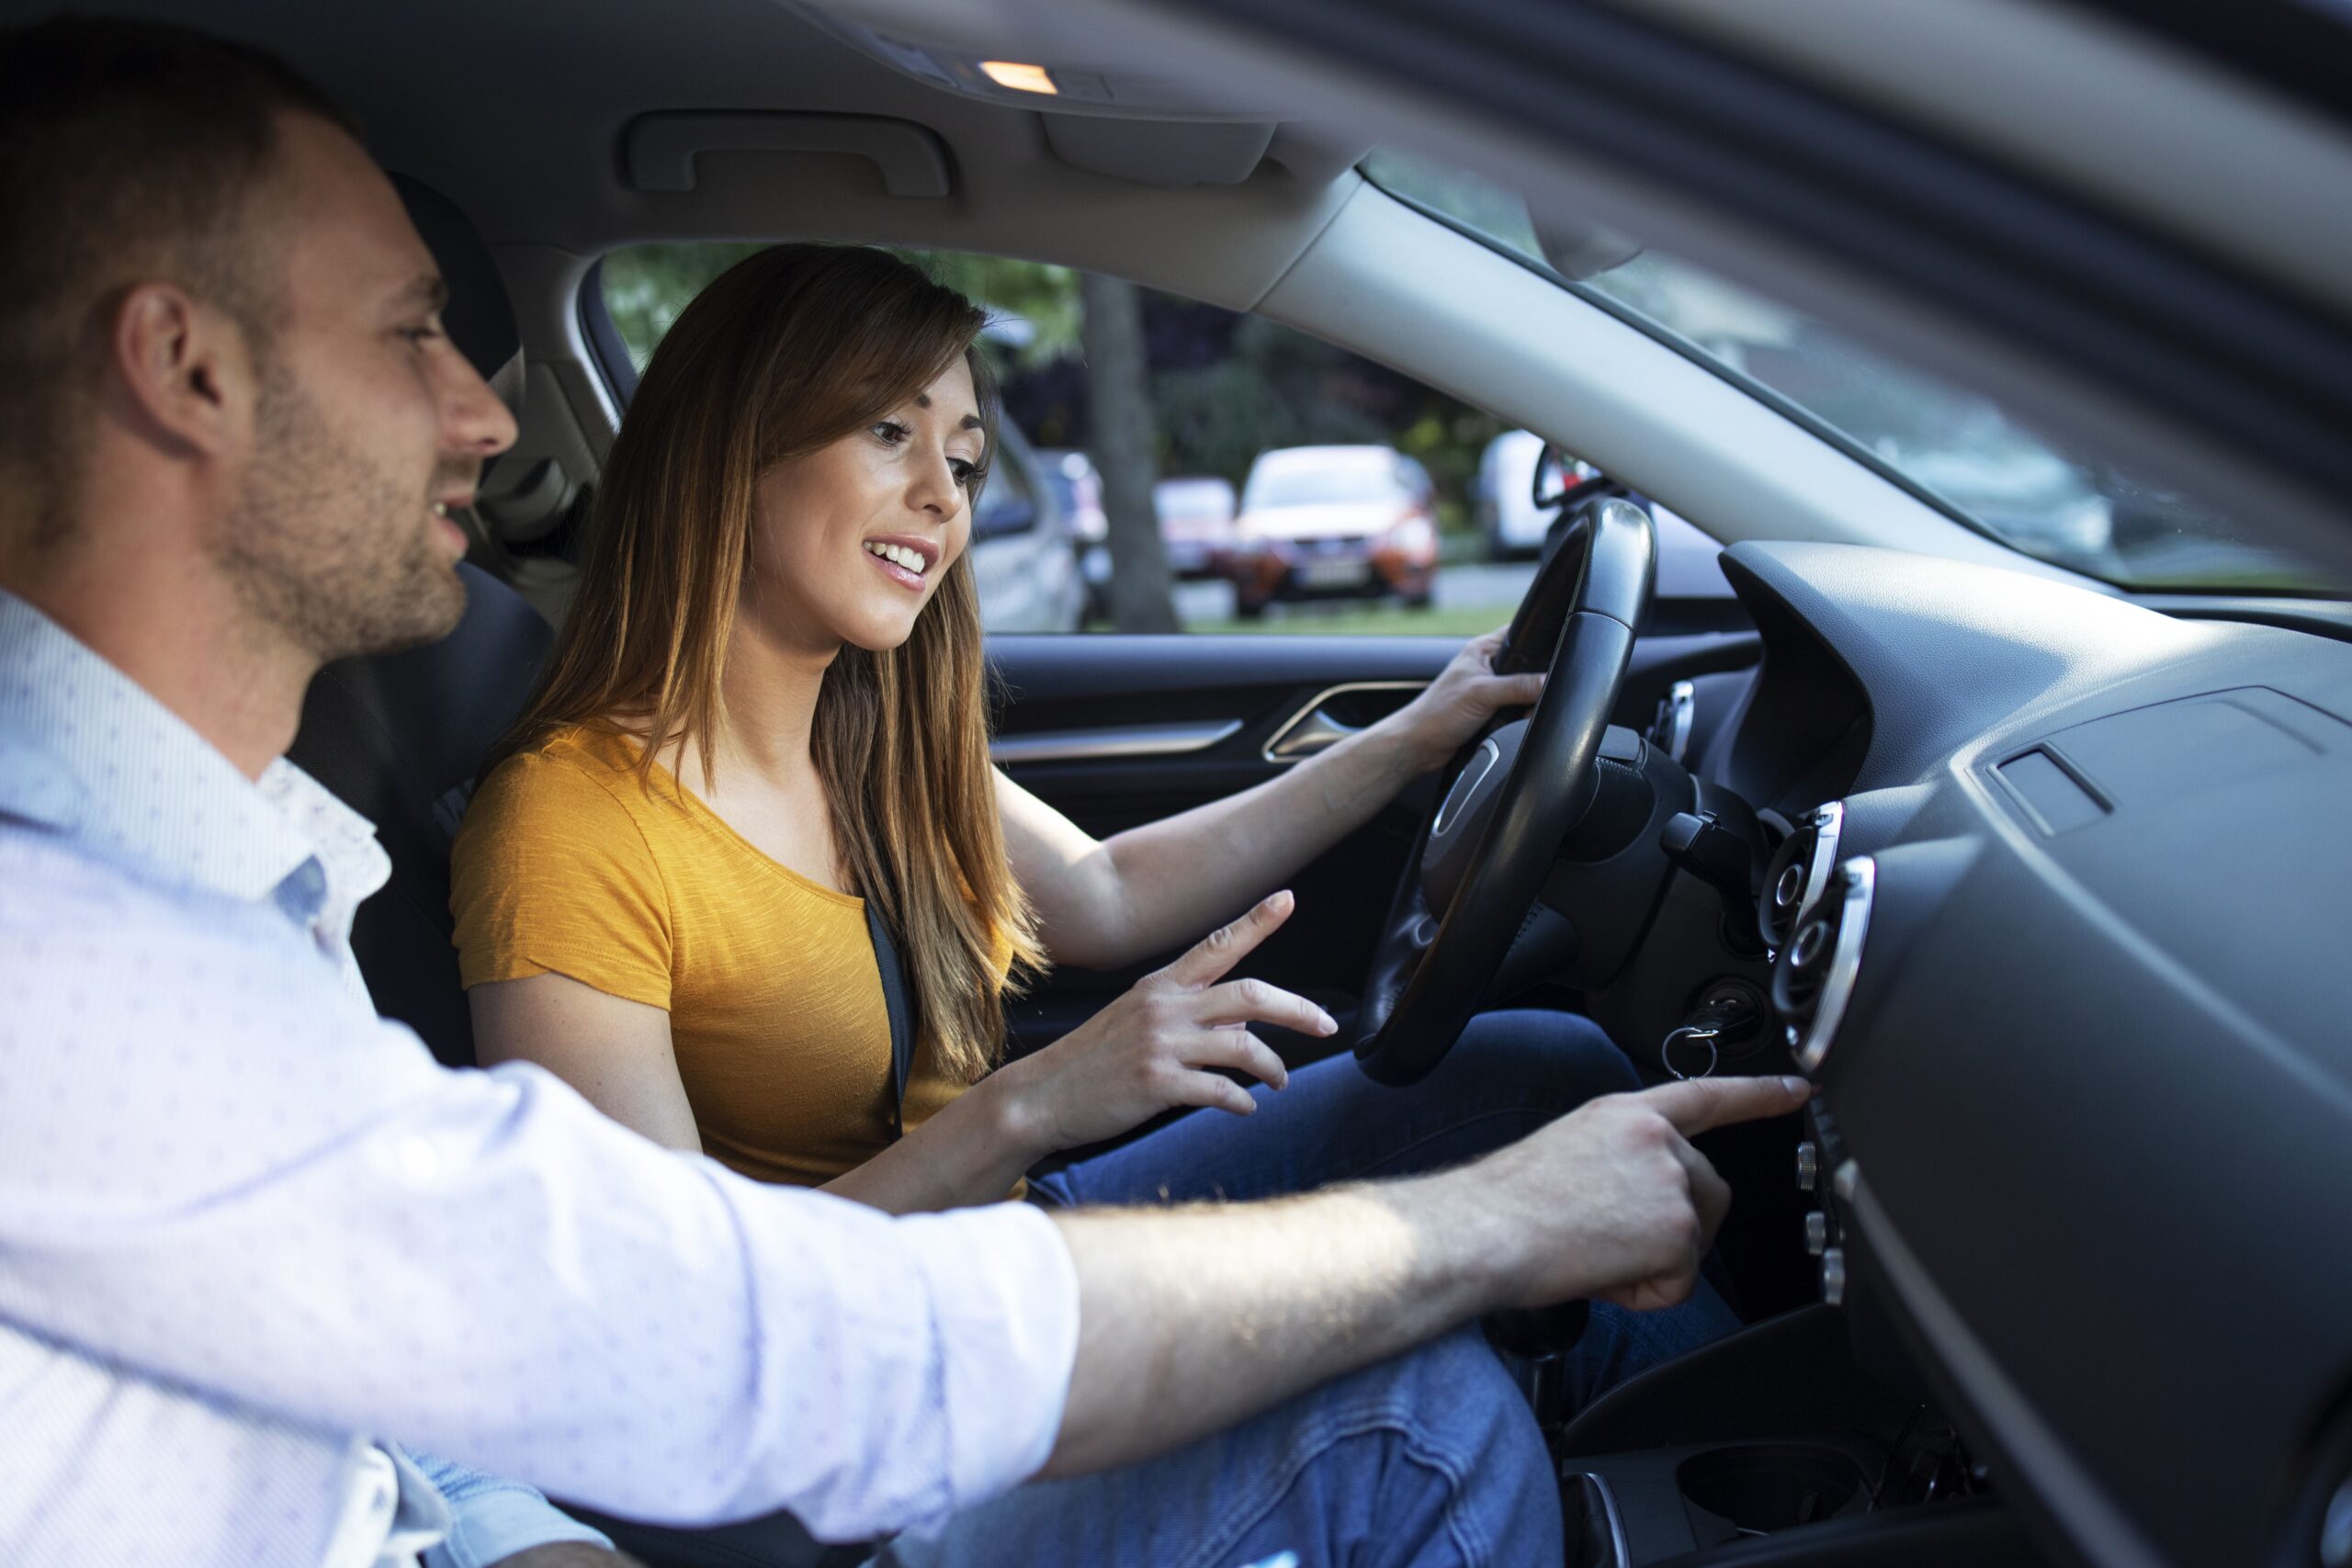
x=1814 y=976
x=1800 y=870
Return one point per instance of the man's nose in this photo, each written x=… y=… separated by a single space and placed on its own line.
x=475 y=421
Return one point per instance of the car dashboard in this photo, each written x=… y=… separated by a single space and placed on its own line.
x=2057 y=928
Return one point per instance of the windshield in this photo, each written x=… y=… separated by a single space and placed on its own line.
x=2028 y=490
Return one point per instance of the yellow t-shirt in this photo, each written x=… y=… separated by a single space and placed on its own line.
x=567 y=864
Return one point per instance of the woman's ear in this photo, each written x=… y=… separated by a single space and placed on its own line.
x=184 y=370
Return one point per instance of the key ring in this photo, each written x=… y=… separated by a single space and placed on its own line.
x=1691 y=1032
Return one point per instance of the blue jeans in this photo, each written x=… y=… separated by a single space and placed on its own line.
x=1429 y=1460
x=1425 y=1460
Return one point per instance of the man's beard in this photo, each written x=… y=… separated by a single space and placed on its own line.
x=326 y=548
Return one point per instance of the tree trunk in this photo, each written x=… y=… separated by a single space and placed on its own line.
x=1119 y=416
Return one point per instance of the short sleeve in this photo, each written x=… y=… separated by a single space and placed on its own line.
x=551 y=873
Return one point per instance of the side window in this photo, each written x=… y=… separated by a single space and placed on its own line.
x=1236 y=476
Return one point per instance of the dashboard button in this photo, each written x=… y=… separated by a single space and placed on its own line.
x=1817 y=1232
x=1808 y=1164
x=1833 y=1276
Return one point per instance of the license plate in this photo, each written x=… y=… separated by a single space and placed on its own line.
x=1333 y=573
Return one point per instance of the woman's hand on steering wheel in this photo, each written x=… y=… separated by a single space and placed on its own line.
x=1160 y=1045
x=1448 y=714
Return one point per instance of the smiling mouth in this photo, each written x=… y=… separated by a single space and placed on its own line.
x=903 y=564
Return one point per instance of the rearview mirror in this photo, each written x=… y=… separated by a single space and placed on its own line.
x=1562 y=481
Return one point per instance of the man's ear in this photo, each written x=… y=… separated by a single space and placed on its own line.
x=183 y=368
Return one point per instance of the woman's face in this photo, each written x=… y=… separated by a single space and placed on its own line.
x=849 y=542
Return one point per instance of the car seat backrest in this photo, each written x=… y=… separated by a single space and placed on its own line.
x=398 y=738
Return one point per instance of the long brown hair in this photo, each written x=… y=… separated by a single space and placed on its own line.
x=789 y=351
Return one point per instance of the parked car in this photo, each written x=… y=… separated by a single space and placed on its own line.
x=1333 y=522
x=1508 y=520
x=1195 y=523
x=1025 y=560
x=1078 y=486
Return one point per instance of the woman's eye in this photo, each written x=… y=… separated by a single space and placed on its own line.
x=892 y=432
x=967 y=474
x=419 y=336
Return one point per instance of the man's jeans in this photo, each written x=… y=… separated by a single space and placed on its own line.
x=1428 y=1460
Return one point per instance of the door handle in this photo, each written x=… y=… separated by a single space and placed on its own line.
x=1312 y=729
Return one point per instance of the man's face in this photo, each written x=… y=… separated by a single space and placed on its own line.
x=368 y=425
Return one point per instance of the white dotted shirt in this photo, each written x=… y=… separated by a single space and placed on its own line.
x=246 y=1224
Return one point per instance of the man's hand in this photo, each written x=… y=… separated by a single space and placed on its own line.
x=1163 y=1044
x=1193 y=1318
x=1612 y=1202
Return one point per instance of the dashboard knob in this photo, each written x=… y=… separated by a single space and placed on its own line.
x=1833 y=1276
x=1817 y=1232
x=1808 y=1164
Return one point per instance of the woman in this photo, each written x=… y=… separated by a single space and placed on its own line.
x=765 y=711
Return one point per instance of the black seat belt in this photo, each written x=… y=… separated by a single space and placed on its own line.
x=898 y=999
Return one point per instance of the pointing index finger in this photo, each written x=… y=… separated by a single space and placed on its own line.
x=1206 y=961
x=1696 y=1105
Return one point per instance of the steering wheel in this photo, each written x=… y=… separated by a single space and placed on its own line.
x=1469 y=887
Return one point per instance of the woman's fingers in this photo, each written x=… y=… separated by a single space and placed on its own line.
x=1517 y=690
x=1240 y=1050
x=1209 y=960
x=1255 y=1001
x=1215 y=1092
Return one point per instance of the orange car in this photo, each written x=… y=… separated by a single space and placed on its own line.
x=1319 y=522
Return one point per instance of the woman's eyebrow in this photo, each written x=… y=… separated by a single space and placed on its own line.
x=971 y=420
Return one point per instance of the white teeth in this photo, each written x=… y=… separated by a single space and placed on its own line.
x=898 y=555
x=440 y=509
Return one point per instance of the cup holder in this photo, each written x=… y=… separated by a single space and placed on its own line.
x=1756 y=1488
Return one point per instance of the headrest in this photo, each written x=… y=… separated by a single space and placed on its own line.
x=480 y=317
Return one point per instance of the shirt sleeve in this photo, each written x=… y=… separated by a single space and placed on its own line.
x=492 y=1519
x=551 y=873
x=333 y=1229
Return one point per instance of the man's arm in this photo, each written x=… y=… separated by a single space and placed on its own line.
x=336 y=1230
x=1195 y=1318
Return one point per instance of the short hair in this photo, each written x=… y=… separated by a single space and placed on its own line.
x=131 y=151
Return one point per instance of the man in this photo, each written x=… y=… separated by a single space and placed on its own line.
x=249 y=1234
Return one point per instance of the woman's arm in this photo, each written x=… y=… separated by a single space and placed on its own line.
x=1107 y=903
x=615 y=1053
x=1161 y=1044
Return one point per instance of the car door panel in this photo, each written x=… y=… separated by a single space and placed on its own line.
x=1118 y=731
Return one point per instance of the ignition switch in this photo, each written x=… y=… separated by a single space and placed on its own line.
x=1728 y=1019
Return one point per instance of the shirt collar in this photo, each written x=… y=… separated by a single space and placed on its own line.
x=86 y=752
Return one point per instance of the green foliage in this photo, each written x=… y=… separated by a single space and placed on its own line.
x=1377 y=619
x=1043 y=295
x=647 y=286
x=1225 y=388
